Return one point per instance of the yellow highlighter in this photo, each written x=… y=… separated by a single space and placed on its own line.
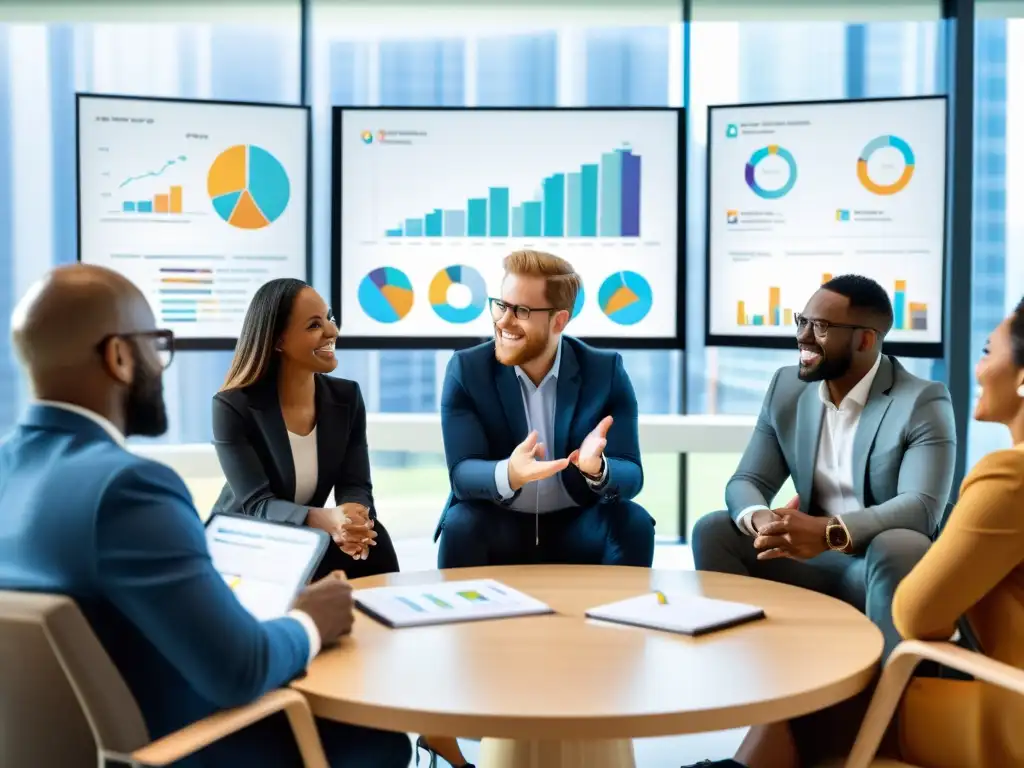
x=662 y=600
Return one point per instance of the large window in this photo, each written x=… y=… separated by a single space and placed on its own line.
x=758 y=61
x=998 y=278
x=162 y=50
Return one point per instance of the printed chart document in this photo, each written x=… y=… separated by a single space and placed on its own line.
x=684 y=614
x=447 y=602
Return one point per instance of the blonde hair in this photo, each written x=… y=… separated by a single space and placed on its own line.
x=562 y=284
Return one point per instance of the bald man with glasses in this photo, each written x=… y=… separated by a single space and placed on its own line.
x=870 y=448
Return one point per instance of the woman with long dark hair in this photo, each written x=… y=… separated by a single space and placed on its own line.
x=287 y=434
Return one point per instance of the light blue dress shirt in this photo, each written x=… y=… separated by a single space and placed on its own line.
x=549 y=494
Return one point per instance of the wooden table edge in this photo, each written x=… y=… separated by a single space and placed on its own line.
x=634 y=726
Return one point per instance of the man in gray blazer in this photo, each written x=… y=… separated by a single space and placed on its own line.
x=870 y=449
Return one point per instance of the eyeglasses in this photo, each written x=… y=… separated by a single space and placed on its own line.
x=499 y=308
x=820 y=327
x=161 y=342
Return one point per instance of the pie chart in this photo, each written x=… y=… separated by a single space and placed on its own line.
x=458 y=274
x=625 y=298
x=385 y=294
x=248 y=186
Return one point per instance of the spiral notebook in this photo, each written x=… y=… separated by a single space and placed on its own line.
x=684 y=614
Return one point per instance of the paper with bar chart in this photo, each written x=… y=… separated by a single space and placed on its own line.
x=432 y=200
x=197 y=203
x=802 y=192
x=446 y=602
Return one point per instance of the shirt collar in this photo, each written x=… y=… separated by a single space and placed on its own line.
x=859 y=393
x=552 y=374
x=85 y=413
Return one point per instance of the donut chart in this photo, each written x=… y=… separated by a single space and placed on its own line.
x=762 y=154
x=386 y=295
x=248 y=186
x=458 y=274
x=625 y=297
x=882 y=142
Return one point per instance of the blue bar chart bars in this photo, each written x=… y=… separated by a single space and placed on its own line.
x=596 y=200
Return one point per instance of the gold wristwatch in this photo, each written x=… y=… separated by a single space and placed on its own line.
x=836 y=536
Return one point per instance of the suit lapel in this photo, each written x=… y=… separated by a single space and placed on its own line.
x=330 y=423
x=266 y=411
x=511 y=397
x=566 y=396
x=878 y=403
x=809 y=414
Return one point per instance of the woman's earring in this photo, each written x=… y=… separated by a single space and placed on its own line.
x=1020 y=390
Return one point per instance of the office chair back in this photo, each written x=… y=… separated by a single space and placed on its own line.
x=62 y=700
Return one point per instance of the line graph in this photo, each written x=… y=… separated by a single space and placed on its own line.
x=153 y=174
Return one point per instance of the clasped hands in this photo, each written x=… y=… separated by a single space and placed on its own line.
x=350 y=526
x=788 y=532
x=527 y=465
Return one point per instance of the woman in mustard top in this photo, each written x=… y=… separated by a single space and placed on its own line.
x=975 y=569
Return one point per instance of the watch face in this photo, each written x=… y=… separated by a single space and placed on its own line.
x=836 y=536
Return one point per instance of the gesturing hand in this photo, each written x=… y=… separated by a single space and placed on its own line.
x=795 y=535
x=525 y=465
x=587 y=457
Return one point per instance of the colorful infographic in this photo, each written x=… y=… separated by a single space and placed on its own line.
x=461 y=279
x=799 y=193
x=386 y=294
x=625 y=298
x=197 y=203
x=248 y=187
x=444 y=195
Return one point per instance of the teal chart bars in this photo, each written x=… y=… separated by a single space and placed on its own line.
x=568 y=207
x=435 y=199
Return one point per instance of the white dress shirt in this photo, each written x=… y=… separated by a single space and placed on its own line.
x=118 y=437
x=304 y=457
x=833 y=469
x=549 y=494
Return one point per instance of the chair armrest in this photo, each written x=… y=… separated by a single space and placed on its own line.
x=896 y=676
x=192 y=738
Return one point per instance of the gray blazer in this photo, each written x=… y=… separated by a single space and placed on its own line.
x=904 y=452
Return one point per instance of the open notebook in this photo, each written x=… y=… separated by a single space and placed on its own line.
x=446 y=602
x=685 y=614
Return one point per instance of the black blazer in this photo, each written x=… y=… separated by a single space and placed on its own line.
x=252 y=445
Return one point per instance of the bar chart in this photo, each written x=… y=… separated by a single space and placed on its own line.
x=446 y=195
x=204 y=290
x=907 y=315
x=597 y=200
x=162 y=202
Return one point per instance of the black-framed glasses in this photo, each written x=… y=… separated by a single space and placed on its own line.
x=820 y=327
x=161 y=342
x=499 y=308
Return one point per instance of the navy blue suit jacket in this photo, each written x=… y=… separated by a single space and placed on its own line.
x=483 y=419
x=81 y=516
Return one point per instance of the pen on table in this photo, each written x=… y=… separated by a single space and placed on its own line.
x=662 y=600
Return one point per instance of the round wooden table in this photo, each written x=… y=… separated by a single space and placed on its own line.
x=570 y=691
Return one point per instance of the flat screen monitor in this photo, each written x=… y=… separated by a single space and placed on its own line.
x=427 y=202
x=199 y=203
x=801 y=192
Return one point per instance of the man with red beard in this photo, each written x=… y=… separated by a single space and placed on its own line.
x=540 y=437
x=870 y=448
